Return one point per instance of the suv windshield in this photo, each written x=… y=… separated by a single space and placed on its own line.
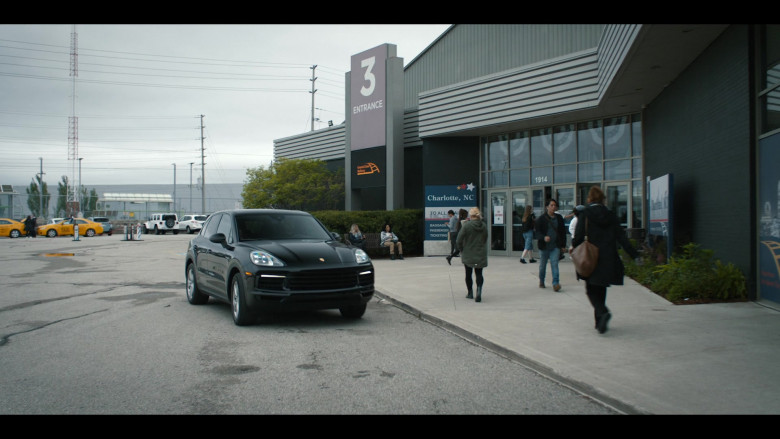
x=274 y=226
x=200 y=217
x=100 y=219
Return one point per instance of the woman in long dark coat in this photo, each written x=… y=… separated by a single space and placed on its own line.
x=605 y=232
x=472 y=243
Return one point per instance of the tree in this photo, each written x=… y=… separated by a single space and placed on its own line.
x=88 y=202
x=302 y=184
x=62 y=199
x=34 y=194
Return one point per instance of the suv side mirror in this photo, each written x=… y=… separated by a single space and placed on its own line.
x=219 y=238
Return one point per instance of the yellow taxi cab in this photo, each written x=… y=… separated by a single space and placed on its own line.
x=11 y=228
x=66 y=226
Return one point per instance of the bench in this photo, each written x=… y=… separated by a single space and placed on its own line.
x=373 y=247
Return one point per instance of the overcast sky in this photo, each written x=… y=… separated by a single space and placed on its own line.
x=141 y=89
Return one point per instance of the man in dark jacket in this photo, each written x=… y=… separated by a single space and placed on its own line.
x=603 y=229
x=29 y=226
x=551 y=233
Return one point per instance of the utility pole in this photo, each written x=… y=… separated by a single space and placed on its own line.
x=313 y=90
x=191 y=163
x=202 y=170
x=73 y=128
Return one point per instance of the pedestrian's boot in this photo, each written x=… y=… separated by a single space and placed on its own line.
x=392 y=257
x=449 y=259
x=479 y=295
x=470 y=294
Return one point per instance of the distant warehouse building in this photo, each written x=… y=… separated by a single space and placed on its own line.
x=679 y=124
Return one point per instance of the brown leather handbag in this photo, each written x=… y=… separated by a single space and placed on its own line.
x=585 y=256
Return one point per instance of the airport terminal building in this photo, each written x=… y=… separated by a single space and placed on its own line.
x=679 y=125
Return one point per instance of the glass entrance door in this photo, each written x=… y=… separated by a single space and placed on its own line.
x=520 y=198
x=618 y=201
x=498 y=222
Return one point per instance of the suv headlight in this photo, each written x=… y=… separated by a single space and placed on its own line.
x=361 y=256
x=265 y=259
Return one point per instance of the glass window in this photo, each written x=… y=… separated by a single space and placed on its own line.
x=565 y=144
x=226 y=227
x=589 y=172
x=770 y=80
x=617 y=138
x=541 y=175
x=565 y=173
x=519 y=177
x=589 y=140
x=617 y=170
x=636 y=135
x=636 y=204
x=636 y=172
x=541 y=147
x=770 y=103
x=498 y=152
x=771 y=43
x=519 y=150
x=498 y=178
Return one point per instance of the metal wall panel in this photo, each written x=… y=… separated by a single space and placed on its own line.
x=572 y=82
x=468 y=51
x=324 y=144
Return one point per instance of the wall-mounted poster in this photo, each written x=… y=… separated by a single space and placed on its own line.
x=769 y=217
x=660 y=209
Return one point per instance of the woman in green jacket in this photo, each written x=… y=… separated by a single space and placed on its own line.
x=472 y=243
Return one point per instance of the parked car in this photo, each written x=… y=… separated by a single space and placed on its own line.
x=67 y=226
x=191 y=223
x=11 y=228
x=108 y=228
x=264 y=260
x=161 y=223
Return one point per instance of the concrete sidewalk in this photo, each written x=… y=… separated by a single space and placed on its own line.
x=656 y=358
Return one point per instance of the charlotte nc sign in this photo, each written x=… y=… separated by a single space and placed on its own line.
x=441 y=198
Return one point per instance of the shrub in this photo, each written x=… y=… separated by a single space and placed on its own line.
x=690 y=277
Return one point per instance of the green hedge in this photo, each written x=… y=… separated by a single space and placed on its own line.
x=690 y=276
x=408 y=224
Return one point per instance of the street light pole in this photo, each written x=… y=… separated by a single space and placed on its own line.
x=78 y=188
x=174 y=187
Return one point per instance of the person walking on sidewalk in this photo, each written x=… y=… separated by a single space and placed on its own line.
x=472 y=243
x=454 y=252
x=602 y=227
x=528 y=233
x=552 y=238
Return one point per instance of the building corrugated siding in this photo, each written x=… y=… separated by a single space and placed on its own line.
x=571 y=82
x=325 y=144
x=469 y=51
x=613 y=47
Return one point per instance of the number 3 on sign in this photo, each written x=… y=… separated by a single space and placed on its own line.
x=368 y=63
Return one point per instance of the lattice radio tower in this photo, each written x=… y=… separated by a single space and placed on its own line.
x=73 y=128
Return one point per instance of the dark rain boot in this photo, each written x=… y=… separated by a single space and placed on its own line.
x=470 y=294
x=479 y=295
